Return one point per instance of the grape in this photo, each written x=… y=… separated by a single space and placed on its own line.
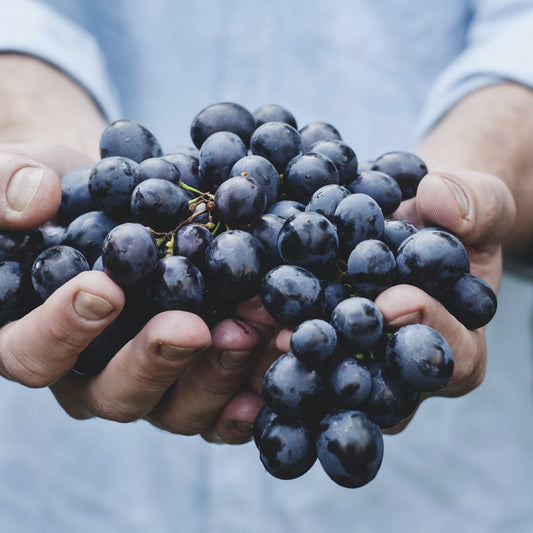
x=471 y=300
x=54 y=267
x=219 y=152
x=261 y=422
x=405 y=168
x=358 y=323
x=286 y=208
x=278 y=142
x=176 y=283
x=314 y=342
x=349 y=447
x=350 y=382
x=379 y=186
x=240 y=201
x=129 y=253
x=306 y=173
x=191 y=241
x=287 y=448
x=432 y=260
x=273 y=113
x=342 y=156
x=111 y=183
x=157 y=167
x=326 y=199
x=371 y=268
x=309 y=240
x=358 y=217
x=159 y=204
x=234 y=265
x=127 y=138
x=21 y=246
x=266 y=231
x=293 y=390
x=223 y=116
x=17 y=296
x=188 y=167
x=396 y=231
x=75 y=196
x=291 y=294
x=420 y=356
x=318 y=130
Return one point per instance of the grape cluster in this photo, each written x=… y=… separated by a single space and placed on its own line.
x=260 y=207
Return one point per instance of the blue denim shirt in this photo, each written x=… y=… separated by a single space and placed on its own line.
x=382 y=72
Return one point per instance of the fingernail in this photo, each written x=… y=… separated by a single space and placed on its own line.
x=403 y=320
x=91 y=307
x=23 y=186
x=175 y=352
x=231 y=360
x=460 y=196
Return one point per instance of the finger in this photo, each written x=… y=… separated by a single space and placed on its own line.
x=136 y=378
x=254 y=313
x=479 y=208
x=404 y=304
x=235 y=423
x=43 y=345
x=211 y=381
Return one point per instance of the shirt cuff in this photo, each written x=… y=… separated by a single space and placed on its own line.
x=32 y=28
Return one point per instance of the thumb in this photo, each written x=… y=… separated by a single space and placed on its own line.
x=479 y=208
x=30 y=186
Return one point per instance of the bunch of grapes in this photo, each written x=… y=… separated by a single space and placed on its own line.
x=260 y=207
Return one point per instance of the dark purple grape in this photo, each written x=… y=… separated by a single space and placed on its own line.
x=390 y=400
x=266 y=230
x=314 y=342
x=21 y=246
x=176 y=284
x=278 y=142
x=342 y=156
x=263 y=171
x=309 y=240
x=293 y=390
x=291 y=294
x=223 y=116
x=52 y=234
x=380 y=186
x=219 y=152
x=54 y=267
x=17 y=296
x=396 y=231
x=87 y=233
x=318 y=130
x=306 y=173
x=191 y=241
x=75 y=196
x=157 y=168
x=127 y=138
x=332 y=293
x=188 y=166
x=273 y=113
x=261 y=422
x=286 y=208
x=371 y=268
x=240 y=201
x=326 y=199
x=471 y=300
x=406 y=168
x=129 y=253
x=350 y=382
x=420 y=356
x=111 y=183
x=287 y=448
x=235 y=263
x=358 y=217
x=159 y=204
x=349 y=447
x=432 y=260
x=358 y=323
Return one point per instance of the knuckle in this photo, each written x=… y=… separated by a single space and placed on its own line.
x=114 y=411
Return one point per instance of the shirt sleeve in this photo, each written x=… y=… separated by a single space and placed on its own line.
x=29 y=27
x=499 y=47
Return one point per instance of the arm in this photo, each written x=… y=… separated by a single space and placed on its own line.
x=51 y=125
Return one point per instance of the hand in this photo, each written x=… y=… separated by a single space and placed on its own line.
x=175 y=372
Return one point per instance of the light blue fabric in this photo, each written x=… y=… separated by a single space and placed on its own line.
x=381 y=72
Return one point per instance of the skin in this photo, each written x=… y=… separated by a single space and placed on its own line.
x=176 y=373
